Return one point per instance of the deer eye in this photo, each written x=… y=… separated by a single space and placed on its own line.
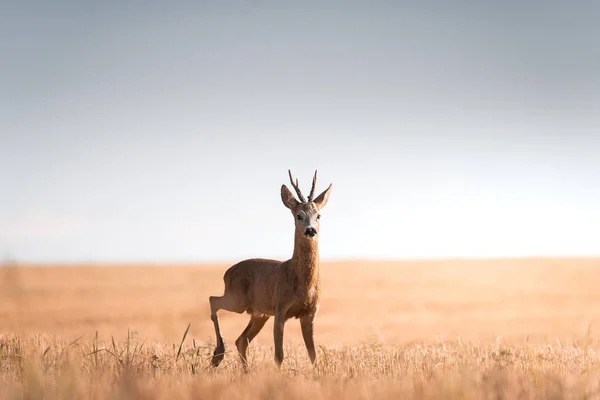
x=319 y=216
x=299 y=217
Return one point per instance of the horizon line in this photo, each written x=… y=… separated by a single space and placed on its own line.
x=333 y=260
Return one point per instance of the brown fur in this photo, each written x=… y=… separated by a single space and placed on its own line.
x=265 y=288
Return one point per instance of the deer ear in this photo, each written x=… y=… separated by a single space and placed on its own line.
x=288 y=198
x=321 y=199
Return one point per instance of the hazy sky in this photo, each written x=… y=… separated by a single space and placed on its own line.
x=132 y=132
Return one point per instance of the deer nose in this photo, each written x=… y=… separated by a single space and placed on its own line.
x=310 y=232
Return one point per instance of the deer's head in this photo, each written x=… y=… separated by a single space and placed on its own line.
x=306 y=212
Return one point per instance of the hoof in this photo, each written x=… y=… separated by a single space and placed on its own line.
x=217 y=357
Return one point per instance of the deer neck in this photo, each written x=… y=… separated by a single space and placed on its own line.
x=305 y=260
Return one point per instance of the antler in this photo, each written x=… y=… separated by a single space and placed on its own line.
x=312 y=189
x=296 y=188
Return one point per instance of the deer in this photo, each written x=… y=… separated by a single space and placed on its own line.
x=266 y=288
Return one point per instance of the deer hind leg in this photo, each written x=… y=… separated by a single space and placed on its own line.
x=229 y=303
x=254 y=326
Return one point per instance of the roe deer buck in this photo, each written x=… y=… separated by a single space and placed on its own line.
x=288 y=289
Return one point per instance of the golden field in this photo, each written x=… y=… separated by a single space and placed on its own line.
x=514 y=328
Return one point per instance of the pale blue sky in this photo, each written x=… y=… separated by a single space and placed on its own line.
x=448 y=129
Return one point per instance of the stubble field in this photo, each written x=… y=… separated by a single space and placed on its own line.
x=438 y=329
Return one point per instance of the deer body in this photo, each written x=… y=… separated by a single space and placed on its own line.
x=264 y=288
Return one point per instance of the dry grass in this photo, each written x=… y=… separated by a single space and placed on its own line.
x=456 y=329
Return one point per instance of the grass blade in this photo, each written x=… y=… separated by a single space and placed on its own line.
x=182 y=340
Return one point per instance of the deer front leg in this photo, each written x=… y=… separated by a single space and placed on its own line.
x=278 y=335
x=306 y=324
